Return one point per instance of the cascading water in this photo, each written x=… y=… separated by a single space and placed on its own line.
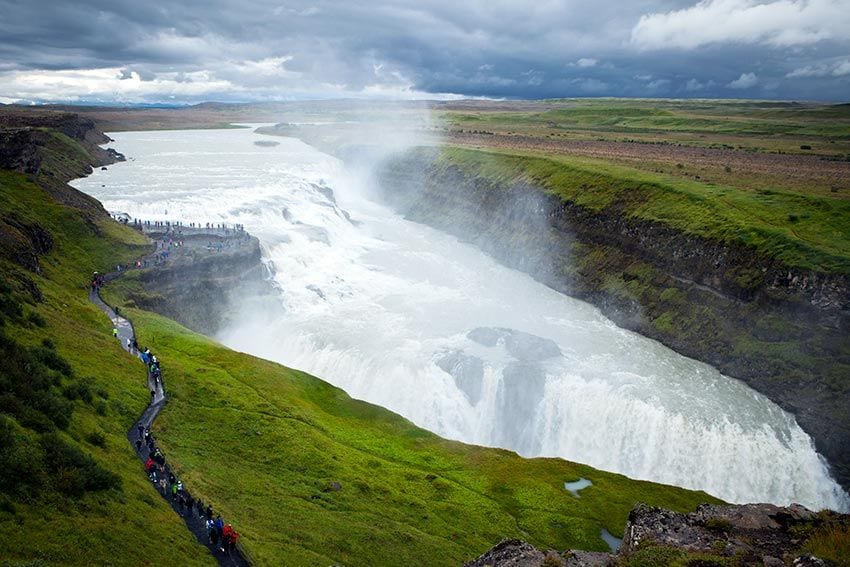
x=409 y=318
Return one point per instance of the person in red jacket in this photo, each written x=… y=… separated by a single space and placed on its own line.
x=226 y=534
x=149 y=465
x=234 y=537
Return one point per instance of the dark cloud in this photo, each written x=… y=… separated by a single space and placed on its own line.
x=235 y=50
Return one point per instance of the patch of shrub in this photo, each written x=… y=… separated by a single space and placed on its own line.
x=78 y=390
x=10 y=308
x=21 y=462
x=72 y=471
x=51 y=359
x=97 y=439
x=8 y=506
x=719 y=525
x=30 y=384
x=99 y=391
x=36 y=319
x=831 y=542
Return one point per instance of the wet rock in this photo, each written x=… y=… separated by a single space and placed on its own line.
x=315 y=289
x=485 y=336
x=315 y=233
x=518 y=398
x=467 y=371
x=510 y=553
x=524 y=383
x=521 y=345
x=589 y=559
x=526 y=346
x=327 y=192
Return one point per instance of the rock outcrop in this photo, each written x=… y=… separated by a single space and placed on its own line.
x=198 y=286
x=750 y=534
x=52 y=148
x=48 y=148
x=753 y=533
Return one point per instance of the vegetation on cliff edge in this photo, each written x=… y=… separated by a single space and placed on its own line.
x=804 y=232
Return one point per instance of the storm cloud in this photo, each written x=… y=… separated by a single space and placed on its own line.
x=227 y=50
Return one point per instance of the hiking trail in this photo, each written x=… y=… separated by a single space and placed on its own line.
x=195 y=523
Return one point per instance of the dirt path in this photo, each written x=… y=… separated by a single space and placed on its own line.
x=195 y=522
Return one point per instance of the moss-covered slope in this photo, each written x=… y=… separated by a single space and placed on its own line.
x=73 y=490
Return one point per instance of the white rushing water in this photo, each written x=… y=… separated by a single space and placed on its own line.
x=409 y=318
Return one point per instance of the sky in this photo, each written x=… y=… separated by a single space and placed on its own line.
x=189 y=51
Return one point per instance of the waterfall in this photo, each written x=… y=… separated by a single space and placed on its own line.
x=407 y=317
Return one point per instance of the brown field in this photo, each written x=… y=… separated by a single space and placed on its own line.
x=746 y=170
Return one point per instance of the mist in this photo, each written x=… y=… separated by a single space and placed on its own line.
x=411 y=318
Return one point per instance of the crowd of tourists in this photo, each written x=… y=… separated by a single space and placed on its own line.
x=179 y=225
x=221 y=534
x=197 y=514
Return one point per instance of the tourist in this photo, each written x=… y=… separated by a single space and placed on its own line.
x=212 y=533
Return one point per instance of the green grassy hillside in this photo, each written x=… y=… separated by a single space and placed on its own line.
x=72 y=491
x=265 y=444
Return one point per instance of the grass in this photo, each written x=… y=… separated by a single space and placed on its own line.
x=804 y=232
x=657 y=135
x=831 y=543
x=761 y=125
x=98 y=527
x=265 y=443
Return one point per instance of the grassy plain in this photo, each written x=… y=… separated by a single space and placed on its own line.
x=750 y=145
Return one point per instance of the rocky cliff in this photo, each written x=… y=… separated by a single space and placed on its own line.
x=752 y=534
x=52 y=148
x=49 y=148
x=201 y=282
x=783 y=331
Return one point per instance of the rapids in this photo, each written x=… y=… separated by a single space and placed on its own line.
x=409 y=318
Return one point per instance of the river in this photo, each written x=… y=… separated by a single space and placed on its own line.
x=407 y=317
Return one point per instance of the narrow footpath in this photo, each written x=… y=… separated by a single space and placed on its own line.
x=194 y=512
